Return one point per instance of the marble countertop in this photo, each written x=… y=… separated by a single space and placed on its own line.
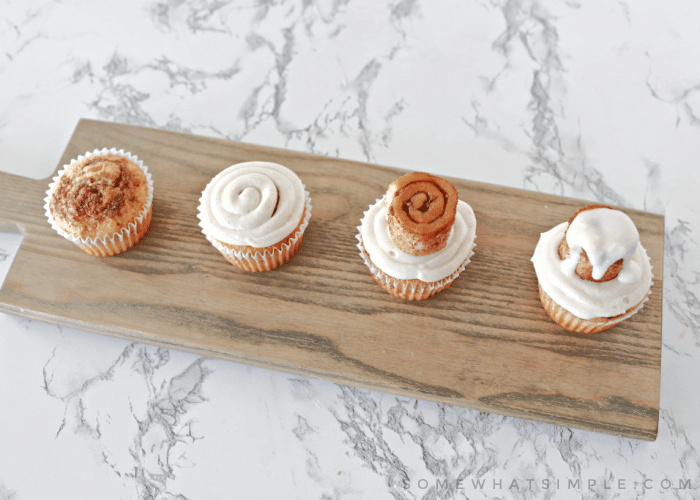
x=595 y=100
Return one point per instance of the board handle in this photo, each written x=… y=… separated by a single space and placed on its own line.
x=21 y=202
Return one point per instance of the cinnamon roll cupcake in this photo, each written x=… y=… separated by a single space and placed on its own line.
x=101 y=201
x=255 y=214
x=418 y=238
x=593 y=271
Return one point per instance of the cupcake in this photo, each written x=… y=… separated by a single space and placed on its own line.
x=418 y=237
x=255 y=214
x=101 y=201
x=592 y=270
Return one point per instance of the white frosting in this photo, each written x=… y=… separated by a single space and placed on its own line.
x=607 y=237
x=428 y=268
x=237 y=205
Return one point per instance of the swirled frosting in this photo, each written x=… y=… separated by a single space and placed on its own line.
x=253 y=204
x=606 y=236
x=428 y=268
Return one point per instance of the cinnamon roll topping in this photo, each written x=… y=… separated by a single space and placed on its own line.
x=420 y=212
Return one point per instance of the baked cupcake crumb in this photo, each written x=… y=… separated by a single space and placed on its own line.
x=98 y=196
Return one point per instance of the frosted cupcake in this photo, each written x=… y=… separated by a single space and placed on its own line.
x=418 y=238
x=592 y=271
x=101 y=201
x=255 y=214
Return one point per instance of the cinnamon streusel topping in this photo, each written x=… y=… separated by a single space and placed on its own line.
x=98 y=196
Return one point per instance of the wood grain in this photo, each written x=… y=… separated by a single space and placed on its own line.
x=485 y=343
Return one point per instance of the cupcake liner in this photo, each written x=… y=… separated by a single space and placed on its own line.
x=117 y=242
x=413 y=289
x=565 y=319
x=267 y=258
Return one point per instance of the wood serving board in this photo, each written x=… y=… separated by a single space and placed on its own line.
x=485 y=343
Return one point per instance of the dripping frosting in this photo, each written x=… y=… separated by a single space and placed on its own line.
x=606 y=236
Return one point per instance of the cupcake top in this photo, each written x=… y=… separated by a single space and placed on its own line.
x=253 y=204
x=419 y=230
x=594 y=265
x=98 y=196
x=428 y=268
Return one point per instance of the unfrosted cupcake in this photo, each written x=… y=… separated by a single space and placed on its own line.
x=101 y=201
x=592 y=271
x=418 y=238
x=255 y=214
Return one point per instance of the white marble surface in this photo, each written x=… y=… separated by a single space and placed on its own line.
x=597 y=99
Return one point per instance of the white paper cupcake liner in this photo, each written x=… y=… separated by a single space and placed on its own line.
x=267 y=258
x=409 y=289
x=117 y=242
x=571 y=322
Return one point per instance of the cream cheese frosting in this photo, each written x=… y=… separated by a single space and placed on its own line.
x=428 y=268
x=606 y=236
x=253 y=204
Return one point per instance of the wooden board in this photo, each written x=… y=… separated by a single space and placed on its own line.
x=485 y=343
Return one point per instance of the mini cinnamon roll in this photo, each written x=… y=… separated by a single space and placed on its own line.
x=420 y=210
x=584 y=268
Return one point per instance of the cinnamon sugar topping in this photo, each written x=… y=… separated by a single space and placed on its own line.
x=99 y=195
